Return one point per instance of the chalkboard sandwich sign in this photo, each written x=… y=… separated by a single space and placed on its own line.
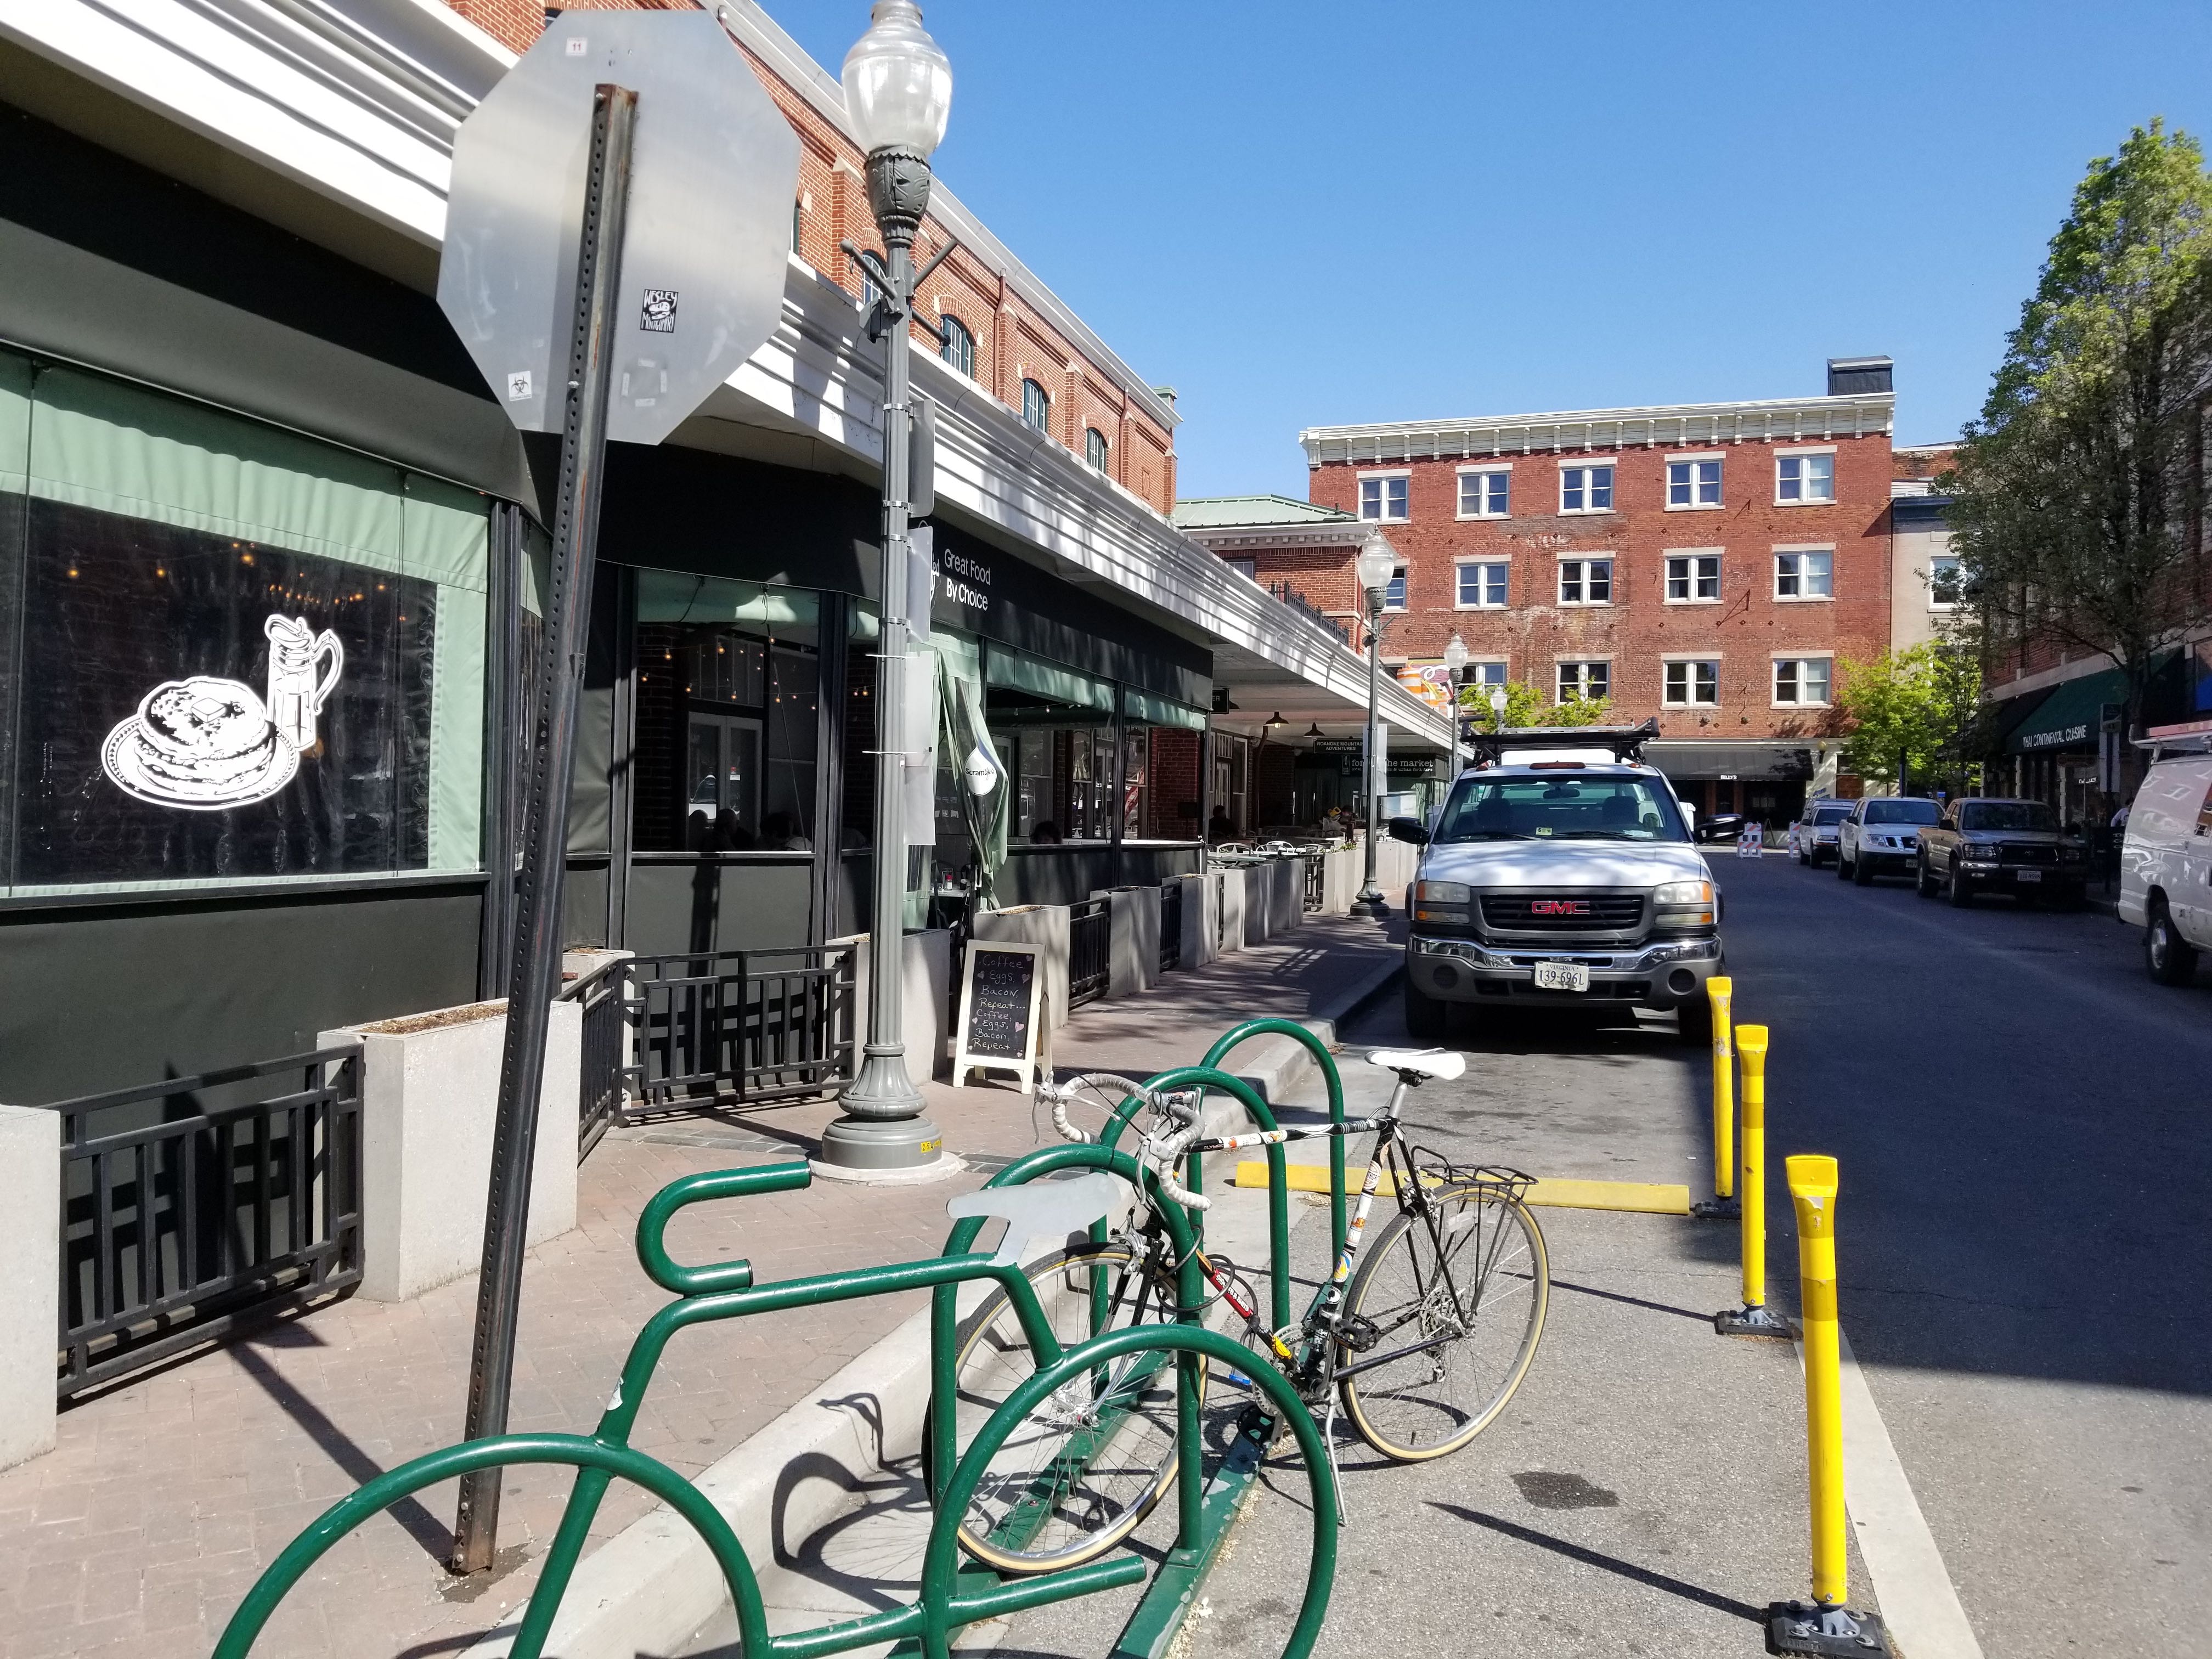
x=1001 y=1001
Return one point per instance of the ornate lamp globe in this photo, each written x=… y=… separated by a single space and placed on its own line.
x=899 y=82
x=1376 y=563
x=1455 y=654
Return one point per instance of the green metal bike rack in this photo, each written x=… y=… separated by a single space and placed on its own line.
x=1236 y=1037
x=948 y=1600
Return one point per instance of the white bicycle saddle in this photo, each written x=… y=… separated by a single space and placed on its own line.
x=1439 y=1063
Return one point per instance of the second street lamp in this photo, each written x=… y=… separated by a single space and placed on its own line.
x=1376 y=565
x=1455 y=655
x=898 y=91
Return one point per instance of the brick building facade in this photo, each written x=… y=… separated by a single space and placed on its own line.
x=1707 y=565
x=973 y=312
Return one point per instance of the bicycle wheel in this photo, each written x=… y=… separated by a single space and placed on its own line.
x=1446 y=1316
x=1085 y=1468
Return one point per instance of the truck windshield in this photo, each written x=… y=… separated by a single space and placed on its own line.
x=1906 y=811
x=1830 y=815
x=2006 y=815
x=1567 y=806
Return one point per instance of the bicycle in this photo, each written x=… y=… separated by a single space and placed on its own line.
x=1422 y=1345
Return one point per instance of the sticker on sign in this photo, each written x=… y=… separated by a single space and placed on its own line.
x=714 y=167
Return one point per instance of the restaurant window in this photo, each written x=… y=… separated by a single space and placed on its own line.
x=233 y=653
x=1058 y=723
x=728 y=691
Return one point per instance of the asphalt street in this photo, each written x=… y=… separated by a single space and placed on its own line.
x=2020 y=1118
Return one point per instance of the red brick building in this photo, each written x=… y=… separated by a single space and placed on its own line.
x=1708 y=564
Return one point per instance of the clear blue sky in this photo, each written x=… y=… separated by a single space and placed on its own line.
x=1299 y=213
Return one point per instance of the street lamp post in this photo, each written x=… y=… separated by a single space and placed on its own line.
x=898 y=91
x=1455 y=664
x=1497 y=702
x=1376 y=563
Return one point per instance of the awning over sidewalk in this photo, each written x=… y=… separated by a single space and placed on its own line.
x=2069 y=714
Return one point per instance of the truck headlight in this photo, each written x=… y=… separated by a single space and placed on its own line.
x=1442 y=892
x=1978 y=855
x=1683 y=904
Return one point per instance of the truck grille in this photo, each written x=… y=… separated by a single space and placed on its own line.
x=2027 y=852
x=1562 y=913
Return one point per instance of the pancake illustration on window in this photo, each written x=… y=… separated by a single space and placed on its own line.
x=207 y=744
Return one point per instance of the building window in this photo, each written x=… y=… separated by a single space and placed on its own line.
x=1094 y=448
x=1693 y=577
x=1802 y=479
x=1487 y=675
x=1943 y=582
x=1804 y=576
x=1383 y=500
x=1801 y=682
x=1692 y=685
x=1037 y=406
x=1484 y=495
x=1394 y=597
x=1585 y=489
x=1591 y=681
x=957 y=345
x=1482 y=587
x=1694 y=483
x=1586 y=581
x=1247 y=569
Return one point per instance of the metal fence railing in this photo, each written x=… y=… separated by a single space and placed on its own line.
x=1316 y=870
x=604 y=1067
x=192 y=1204
x=750 y=1026
x=1171 y=925
x=1090 y=952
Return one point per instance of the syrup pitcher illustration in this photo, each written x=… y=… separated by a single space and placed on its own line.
x=296 y=693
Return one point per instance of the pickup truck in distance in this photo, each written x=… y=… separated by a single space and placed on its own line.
x=2015 y=846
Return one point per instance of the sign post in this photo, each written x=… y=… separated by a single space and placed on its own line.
x=615 y=246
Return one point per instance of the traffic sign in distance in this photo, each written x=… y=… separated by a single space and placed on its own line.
x=713 y=176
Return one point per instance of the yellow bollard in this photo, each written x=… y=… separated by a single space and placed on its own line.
x=1722 y=1206
x=1753 y=1319
x=1825 y=1626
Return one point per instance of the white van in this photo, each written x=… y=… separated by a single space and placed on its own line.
x=2166 y=866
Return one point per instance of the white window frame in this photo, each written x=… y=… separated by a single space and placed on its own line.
x=1797 y=452
x=1478 y=561
x=1800 y=659
x=1464 y=473
x=1692 y=554
x=1473 y=675
x=1611 y=562
x=1584 y=464
x=1799 y=553
x=1692 y=660
x=1403 y=474
x=1585 y=664
x=1941 y=607
x=1401 y=578
x=1720 y=483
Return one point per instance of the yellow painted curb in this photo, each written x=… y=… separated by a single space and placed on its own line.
x=1638 y=1197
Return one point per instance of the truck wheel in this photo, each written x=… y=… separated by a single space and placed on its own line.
x=1843 y=870
x=1957 y=889
x=2171 y=958
x=1924 y=878
x=1861 y=872
x=1424 y=1014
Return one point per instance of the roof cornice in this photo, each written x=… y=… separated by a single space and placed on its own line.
x=1335 y=533
x=1765 y=421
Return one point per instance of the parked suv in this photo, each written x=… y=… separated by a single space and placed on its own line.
x=2004 y=845
x=1813 y=837
x=1562 y=879
x=1882 y=833
x=2166 y=866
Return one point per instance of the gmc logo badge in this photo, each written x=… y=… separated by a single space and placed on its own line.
x=1557 y=908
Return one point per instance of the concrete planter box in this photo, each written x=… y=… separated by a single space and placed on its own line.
x=1199 y=908
x=1340 y=882
x=1133 y=921
x=1231 y=935
x=1288 y=911
x=925 y=999
x=30 y=1279
x=1045 y=924
x=1259 y=902
x=429 y=1102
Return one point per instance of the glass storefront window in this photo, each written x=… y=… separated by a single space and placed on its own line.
x=238 y=655
x=728 y=708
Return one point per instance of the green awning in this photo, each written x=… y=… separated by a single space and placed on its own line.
x=2071 y=715
x=1019 y=672
x=1146 y=709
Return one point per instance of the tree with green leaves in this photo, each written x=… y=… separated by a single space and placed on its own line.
x=1916 y=715
x=1526 y=706
x=2075 y=492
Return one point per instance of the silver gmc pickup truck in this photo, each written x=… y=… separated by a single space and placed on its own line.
x=1559 y=873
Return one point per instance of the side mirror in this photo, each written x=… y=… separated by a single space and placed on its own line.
x=1408 y=829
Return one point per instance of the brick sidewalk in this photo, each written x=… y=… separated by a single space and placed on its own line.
x=168 y=1495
